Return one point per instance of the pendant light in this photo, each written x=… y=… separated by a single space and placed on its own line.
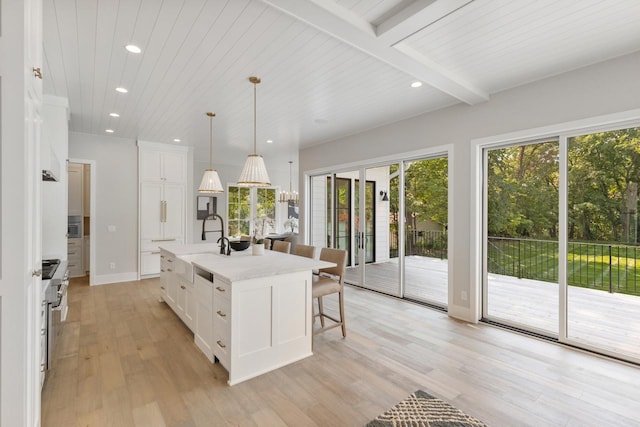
x=289 y=197
x=254 y=173
x=210 y=180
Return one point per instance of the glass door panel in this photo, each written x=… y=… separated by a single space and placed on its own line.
x=381 y=269
x=603 y=281
x=521 y=236
x=425 y=230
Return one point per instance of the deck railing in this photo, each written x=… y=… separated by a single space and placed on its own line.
x=609 y=267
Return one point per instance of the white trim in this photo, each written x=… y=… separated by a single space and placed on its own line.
x=149 y=145
x=384 y=160
x=106 y=279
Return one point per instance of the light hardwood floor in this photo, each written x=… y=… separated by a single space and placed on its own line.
x=125 y=359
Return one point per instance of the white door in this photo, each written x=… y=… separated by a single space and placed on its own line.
x=151 y=211
x=75 y=176
x=174 y=211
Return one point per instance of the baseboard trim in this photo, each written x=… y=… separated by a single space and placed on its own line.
x=107 y=279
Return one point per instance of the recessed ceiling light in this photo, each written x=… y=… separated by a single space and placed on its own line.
x=133 y=48
x=269 y=141
x=114 y=114
x=176 y=139
x=109 y=130
x=121 y=90
x=416 y=84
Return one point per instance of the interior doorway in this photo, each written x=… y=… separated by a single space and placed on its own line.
x=82 y=239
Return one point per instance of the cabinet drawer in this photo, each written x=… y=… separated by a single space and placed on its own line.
x=222 y=315
x=152 y=245
x=221 y=289
x=74 y=243
x=149 y=263
x=222 y=348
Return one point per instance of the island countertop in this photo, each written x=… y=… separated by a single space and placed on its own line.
x=178 y=249
x=243 y=266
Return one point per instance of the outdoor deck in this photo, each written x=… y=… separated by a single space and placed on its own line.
x=597 y=318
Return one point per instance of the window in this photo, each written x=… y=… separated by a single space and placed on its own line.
x=246 y=203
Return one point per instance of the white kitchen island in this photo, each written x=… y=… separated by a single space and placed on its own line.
x=251 y=313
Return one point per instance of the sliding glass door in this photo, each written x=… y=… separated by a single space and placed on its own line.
x=561 y=244
x=521 y=256
x=392 y=219
x=603 y=254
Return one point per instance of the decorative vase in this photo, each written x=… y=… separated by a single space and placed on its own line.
x=257 y=249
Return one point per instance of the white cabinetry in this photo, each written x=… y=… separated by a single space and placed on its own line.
x=75 y=257
x=75 y=201
x=163 y=200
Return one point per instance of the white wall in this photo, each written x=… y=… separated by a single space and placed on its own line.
x=116 y=202
x=604 y=88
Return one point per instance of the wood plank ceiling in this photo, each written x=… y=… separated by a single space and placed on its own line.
x=329 y=68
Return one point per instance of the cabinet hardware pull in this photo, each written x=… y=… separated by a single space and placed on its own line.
x=36 y=273
x=221 y=314
x=163 y=240
x=43 y=332
x=162 y=256
x=220 y=289
x=221 y=344
x=161 y=287
x=182 y=287
x=37 y=72
x=168 y=269
x=42 y=367
x=169 y=260
x=161 y=270
x=155 y=252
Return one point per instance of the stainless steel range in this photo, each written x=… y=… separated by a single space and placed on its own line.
x=55 y=282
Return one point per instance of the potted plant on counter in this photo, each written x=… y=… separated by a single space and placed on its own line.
x=261 y=227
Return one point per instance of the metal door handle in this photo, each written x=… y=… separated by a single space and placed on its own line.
x=221 y=314
x=37 y=72
x=37 y=273
x=182 y=287
x=220 y=289
x=221 y=344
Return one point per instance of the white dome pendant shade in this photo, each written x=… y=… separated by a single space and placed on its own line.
x=254 y=173
x=210 y=180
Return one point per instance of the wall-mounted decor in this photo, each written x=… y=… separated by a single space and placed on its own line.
x=206 y=205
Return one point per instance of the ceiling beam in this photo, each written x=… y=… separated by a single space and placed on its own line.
x=339 y=22
x=416 y=16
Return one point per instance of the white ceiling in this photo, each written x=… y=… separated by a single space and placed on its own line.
x=329 y=68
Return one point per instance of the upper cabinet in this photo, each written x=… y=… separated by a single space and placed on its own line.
x=165 y=166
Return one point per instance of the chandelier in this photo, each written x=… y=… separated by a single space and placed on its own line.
x=290 y=197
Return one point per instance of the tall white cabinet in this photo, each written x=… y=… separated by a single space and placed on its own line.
x=162 y=172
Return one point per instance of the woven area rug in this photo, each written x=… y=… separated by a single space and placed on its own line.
x=421 y=410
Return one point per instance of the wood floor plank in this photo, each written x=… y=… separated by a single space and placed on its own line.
x=126 y=359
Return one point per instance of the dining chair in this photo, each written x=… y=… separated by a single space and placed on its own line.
x=281 y=246
x=330 y=281
x=305 y=251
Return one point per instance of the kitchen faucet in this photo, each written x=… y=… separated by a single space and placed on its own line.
x=223 y=247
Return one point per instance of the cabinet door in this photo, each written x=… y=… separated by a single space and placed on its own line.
x=189 y=306
x=172 y=288
x=151 y=210
x=74 y=174
x=174 y=167
x=180 y=299
x=174 y=198
x=150 y=168
x=149 y=263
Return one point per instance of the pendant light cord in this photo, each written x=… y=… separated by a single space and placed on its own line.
x=254 y=118
x=211 y=142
